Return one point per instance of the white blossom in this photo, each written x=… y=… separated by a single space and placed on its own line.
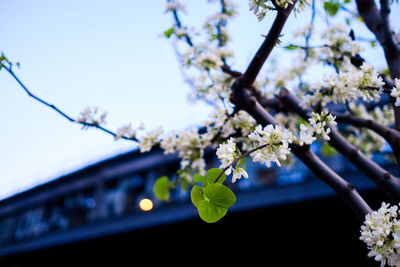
x=306 y=136
x=205 y=56
x=175 y=6
x=339 y=46
x=238 y=173
x=276 y=140
x=284 y=3
x=227 y=153
x=349 y=84
x=190 y=146
x=318 y=123
x=260 y=7
x=150 y=139
x=381 y=233
x=395 y=92
x=125 y=131
x=91 y=115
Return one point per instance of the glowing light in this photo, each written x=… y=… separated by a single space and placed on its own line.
x=146 y=204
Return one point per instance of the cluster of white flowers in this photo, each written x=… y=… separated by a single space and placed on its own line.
x=276 y=139
x=395 y=92
x=273 y=143
x=205 y=56
x=284 y=3
x=175 y=6
x=211 y=87
x=190 y=145
x=381 y=233
x=150 y=139
x=91 y=115
x=242 y=122
x=338 y=45
x=125 y=131
x=302 y=5
x=383 y=115
x=306 y=136
x=318 y=123
x=260 y=7
x=364 y=139
x=349 y=84
x=227 y=153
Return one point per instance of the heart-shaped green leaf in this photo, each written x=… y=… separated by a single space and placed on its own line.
x=209 y=212
x=161 y=188
x=220 y=195
x=199 y=178
x=196 y=195
x=212 y=175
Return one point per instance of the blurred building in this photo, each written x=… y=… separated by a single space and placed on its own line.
x=283 y=216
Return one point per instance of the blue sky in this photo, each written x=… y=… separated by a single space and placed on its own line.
x=108 y=54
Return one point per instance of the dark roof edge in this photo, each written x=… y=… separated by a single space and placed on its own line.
x=77 y=173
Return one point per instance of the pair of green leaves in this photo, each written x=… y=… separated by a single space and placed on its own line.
x=213 y=199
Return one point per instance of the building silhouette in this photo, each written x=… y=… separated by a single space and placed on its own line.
x=91 y=217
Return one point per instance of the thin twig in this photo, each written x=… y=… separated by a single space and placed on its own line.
x=56 y=109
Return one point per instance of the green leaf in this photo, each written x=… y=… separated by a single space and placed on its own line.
x=196 y=195
x=219 y=195
x=209 y=212
x=199 y=178
x=212 y=175
x=291 y=47
x=161 y=188
x=327 y=150
x=386 y=72
x=332 y=7
x=169 y=32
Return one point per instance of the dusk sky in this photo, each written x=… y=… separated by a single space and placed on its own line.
x=109 y=54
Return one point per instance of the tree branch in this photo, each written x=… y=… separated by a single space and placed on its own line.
x=378 y=23
x=248 y=78
x=63 y=114
x=244 y=101
x=179 y=25
x=385 y=180
x=389 y=134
